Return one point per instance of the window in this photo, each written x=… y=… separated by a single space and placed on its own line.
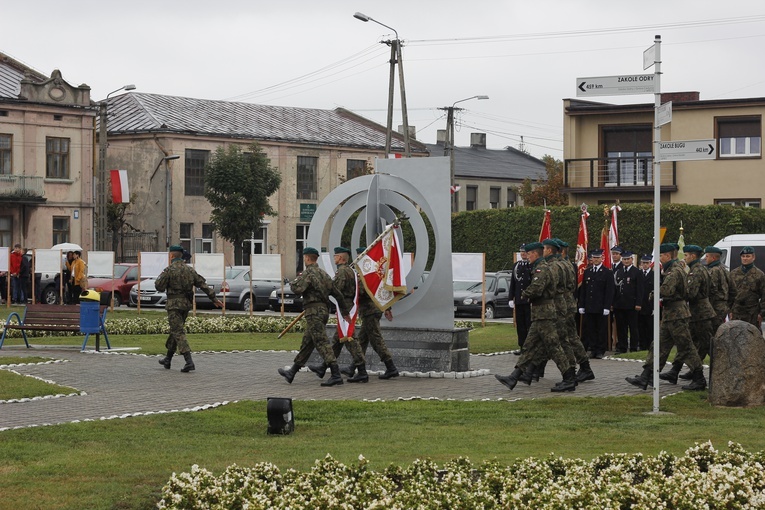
x=57 y=162
x=630 y=155
x=187 y=231
x=205 y=243
x=355 y=168
x=60 y=229
x=470 y=198
x=301 y=237
x=5 y=155
x=511 y=197
x=306 y=177
x=196 y=161
x=740 y=202
x=6 y=230
x=494 y=198
x=739 y=137
x=256 y=245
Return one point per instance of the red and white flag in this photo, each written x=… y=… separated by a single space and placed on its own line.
x=454 y=189
x=120 y=189
x=395 y=155
x=345 y=329
x=381 y=270
x=605 y=247
x=581 y=247
x=546 y=232
x=613 y=232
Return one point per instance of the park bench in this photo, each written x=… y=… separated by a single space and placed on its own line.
x=39 y=317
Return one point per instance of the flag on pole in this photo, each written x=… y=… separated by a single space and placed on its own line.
x=345 y=329
x=546 y=232
x=680 y=242
x=381 y=270
x=605 y=247
x=454 y=189
x=120 y=189
x=581 y=246
x=613 y=232
x=395 y=155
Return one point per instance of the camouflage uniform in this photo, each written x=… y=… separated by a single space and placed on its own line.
x=565 y=304
x=702 y=313
x=369 y=332
x=345 y=284
x=749 y=283
x=315 y=285
x=721 y=292
x=178 y=281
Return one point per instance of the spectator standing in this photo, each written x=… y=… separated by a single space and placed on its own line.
x=24 y=274
x=78 y=278
x=14 y=268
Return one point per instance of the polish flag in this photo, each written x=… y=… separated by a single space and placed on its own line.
x=395 y=155
x=581 y=247
x=381 y=269
x=120 y=190
x=345 y=329
x=546 y=232
x=454 y=189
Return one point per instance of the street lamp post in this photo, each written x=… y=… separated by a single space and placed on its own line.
x=101 y=192
x=168 y=193
x=395 y=57
x=449 y=141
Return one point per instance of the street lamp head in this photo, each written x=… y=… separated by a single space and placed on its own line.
x=172 y=156
x=129 y=87
x=469 y=98
x=362 y=17
x=482 y=97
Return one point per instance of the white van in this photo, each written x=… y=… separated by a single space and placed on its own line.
x=731 y=249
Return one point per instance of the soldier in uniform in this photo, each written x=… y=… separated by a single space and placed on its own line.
x=627 y=303
x=345 y=284
x=645 y=314
x=178 y=281
x=596 y=296
x=518 y=283
x=542 y=342
x=674 y=325
x=315 y=285
x=749 y=282
x=721 y=292
x=702 y=313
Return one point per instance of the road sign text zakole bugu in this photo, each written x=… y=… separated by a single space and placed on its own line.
x=687 y=150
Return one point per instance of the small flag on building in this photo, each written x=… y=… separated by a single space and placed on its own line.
x=395 y=155
x=454 y=189
x=120 y=189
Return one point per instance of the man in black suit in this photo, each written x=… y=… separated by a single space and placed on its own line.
x=595 y=299
x=627 y=303
x=645 y=314
x=518 y=283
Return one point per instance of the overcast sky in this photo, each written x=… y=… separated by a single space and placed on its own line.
x=525 y=55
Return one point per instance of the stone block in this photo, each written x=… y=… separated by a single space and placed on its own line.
x=737 y=371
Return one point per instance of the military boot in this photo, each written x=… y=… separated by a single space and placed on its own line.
x=165 y=362
x=686 y=376
x=189 y=366
x=585 y=372
x=510 y=380
x=568 y=383
x=540 y=372
x=641 y=381
x=349 y=370
x=698 y=383
x=289 y=374
x=390 y=370
x=361 y=375
x=319 y=370
x=671 y=375
x=335 y=378
x=529 y=374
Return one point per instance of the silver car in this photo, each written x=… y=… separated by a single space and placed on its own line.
x=150 y=296
x=238 y=289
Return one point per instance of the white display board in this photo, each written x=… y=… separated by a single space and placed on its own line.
x=468 y=267
x=152 y=263
x=49 y=261
x=100 y=264
x=267 y=267
x=4 y=258
x=210 y=265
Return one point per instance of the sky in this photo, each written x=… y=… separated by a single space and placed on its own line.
x=525 y=55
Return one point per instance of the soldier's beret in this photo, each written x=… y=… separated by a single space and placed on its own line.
x=713 y=249
x=562 y=243
x=534 y=246
x=310 y=251
x=551 y=242
x=617 y=249
x=692 y=248
x=360 y=250
x=523 y=247
x=667 y=247
x=176 y=247
x=646 y=258
x=677 y=246
x=627 y=254
x=597 y=253
x=342 y=249
x=747 y=250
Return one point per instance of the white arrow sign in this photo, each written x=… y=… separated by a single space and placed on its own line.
x=687 y=150
x=615 y=85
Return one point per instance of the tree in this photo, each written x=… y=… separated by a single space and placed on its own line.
x=116 y=221
x=545 y=191
x=237 y=185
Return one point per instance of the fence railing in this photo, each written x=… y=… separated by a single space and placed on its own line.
x=22 y=186
x=607 y=173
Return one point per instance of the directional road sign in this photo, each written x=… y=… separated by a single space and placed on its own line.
x=627 y=84
x=664 y=114
x=687 y=150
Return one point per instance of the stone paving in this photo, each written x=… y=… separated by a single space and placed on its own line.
x=122 y=384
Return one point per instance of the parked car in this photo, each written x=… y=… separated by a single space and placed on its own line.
x=468 y=296
x=150 y=296
x=292 y=302
x=125 y=277
x=238 y=289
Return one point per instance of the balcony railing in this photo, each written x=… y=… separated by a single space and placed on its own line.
x=604 y=174
x=22 y=186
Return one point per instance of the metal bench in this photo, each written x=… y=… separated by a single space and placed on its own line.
x=53 y=318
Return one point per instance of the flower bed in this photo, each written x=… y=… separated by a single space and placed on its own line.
x=702 y=478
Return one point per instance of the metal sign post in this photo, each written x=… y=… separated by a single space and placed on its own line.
x=656 y=221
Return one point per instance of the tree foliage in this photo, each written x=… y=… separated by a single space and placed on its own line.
x=238 y=185
x=545 y=191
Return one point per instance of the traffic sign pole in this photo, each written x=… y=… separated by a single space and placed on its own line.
x=656 y=221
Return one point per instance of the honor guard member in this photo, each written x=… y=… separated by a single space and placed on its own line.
x=721 y=291
x=178 y=281
x=596 y=296
x=674 y=325
x=749 y=282
x=542 y=341
x=345 y=284
x=616 y=258
x=701 y=309
x=315 y=285
x=518 y=283
x=645 y=315
x=627 y=304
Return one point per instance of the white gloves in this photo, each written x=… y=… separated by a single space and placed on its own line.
x=512 y=304
x=606 y=312
x=581 y=311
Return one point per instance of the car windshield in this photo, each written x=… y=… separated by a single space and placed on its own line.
x=119 y=270
x=233 y=272
x=466 y=285
x=491 y=283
